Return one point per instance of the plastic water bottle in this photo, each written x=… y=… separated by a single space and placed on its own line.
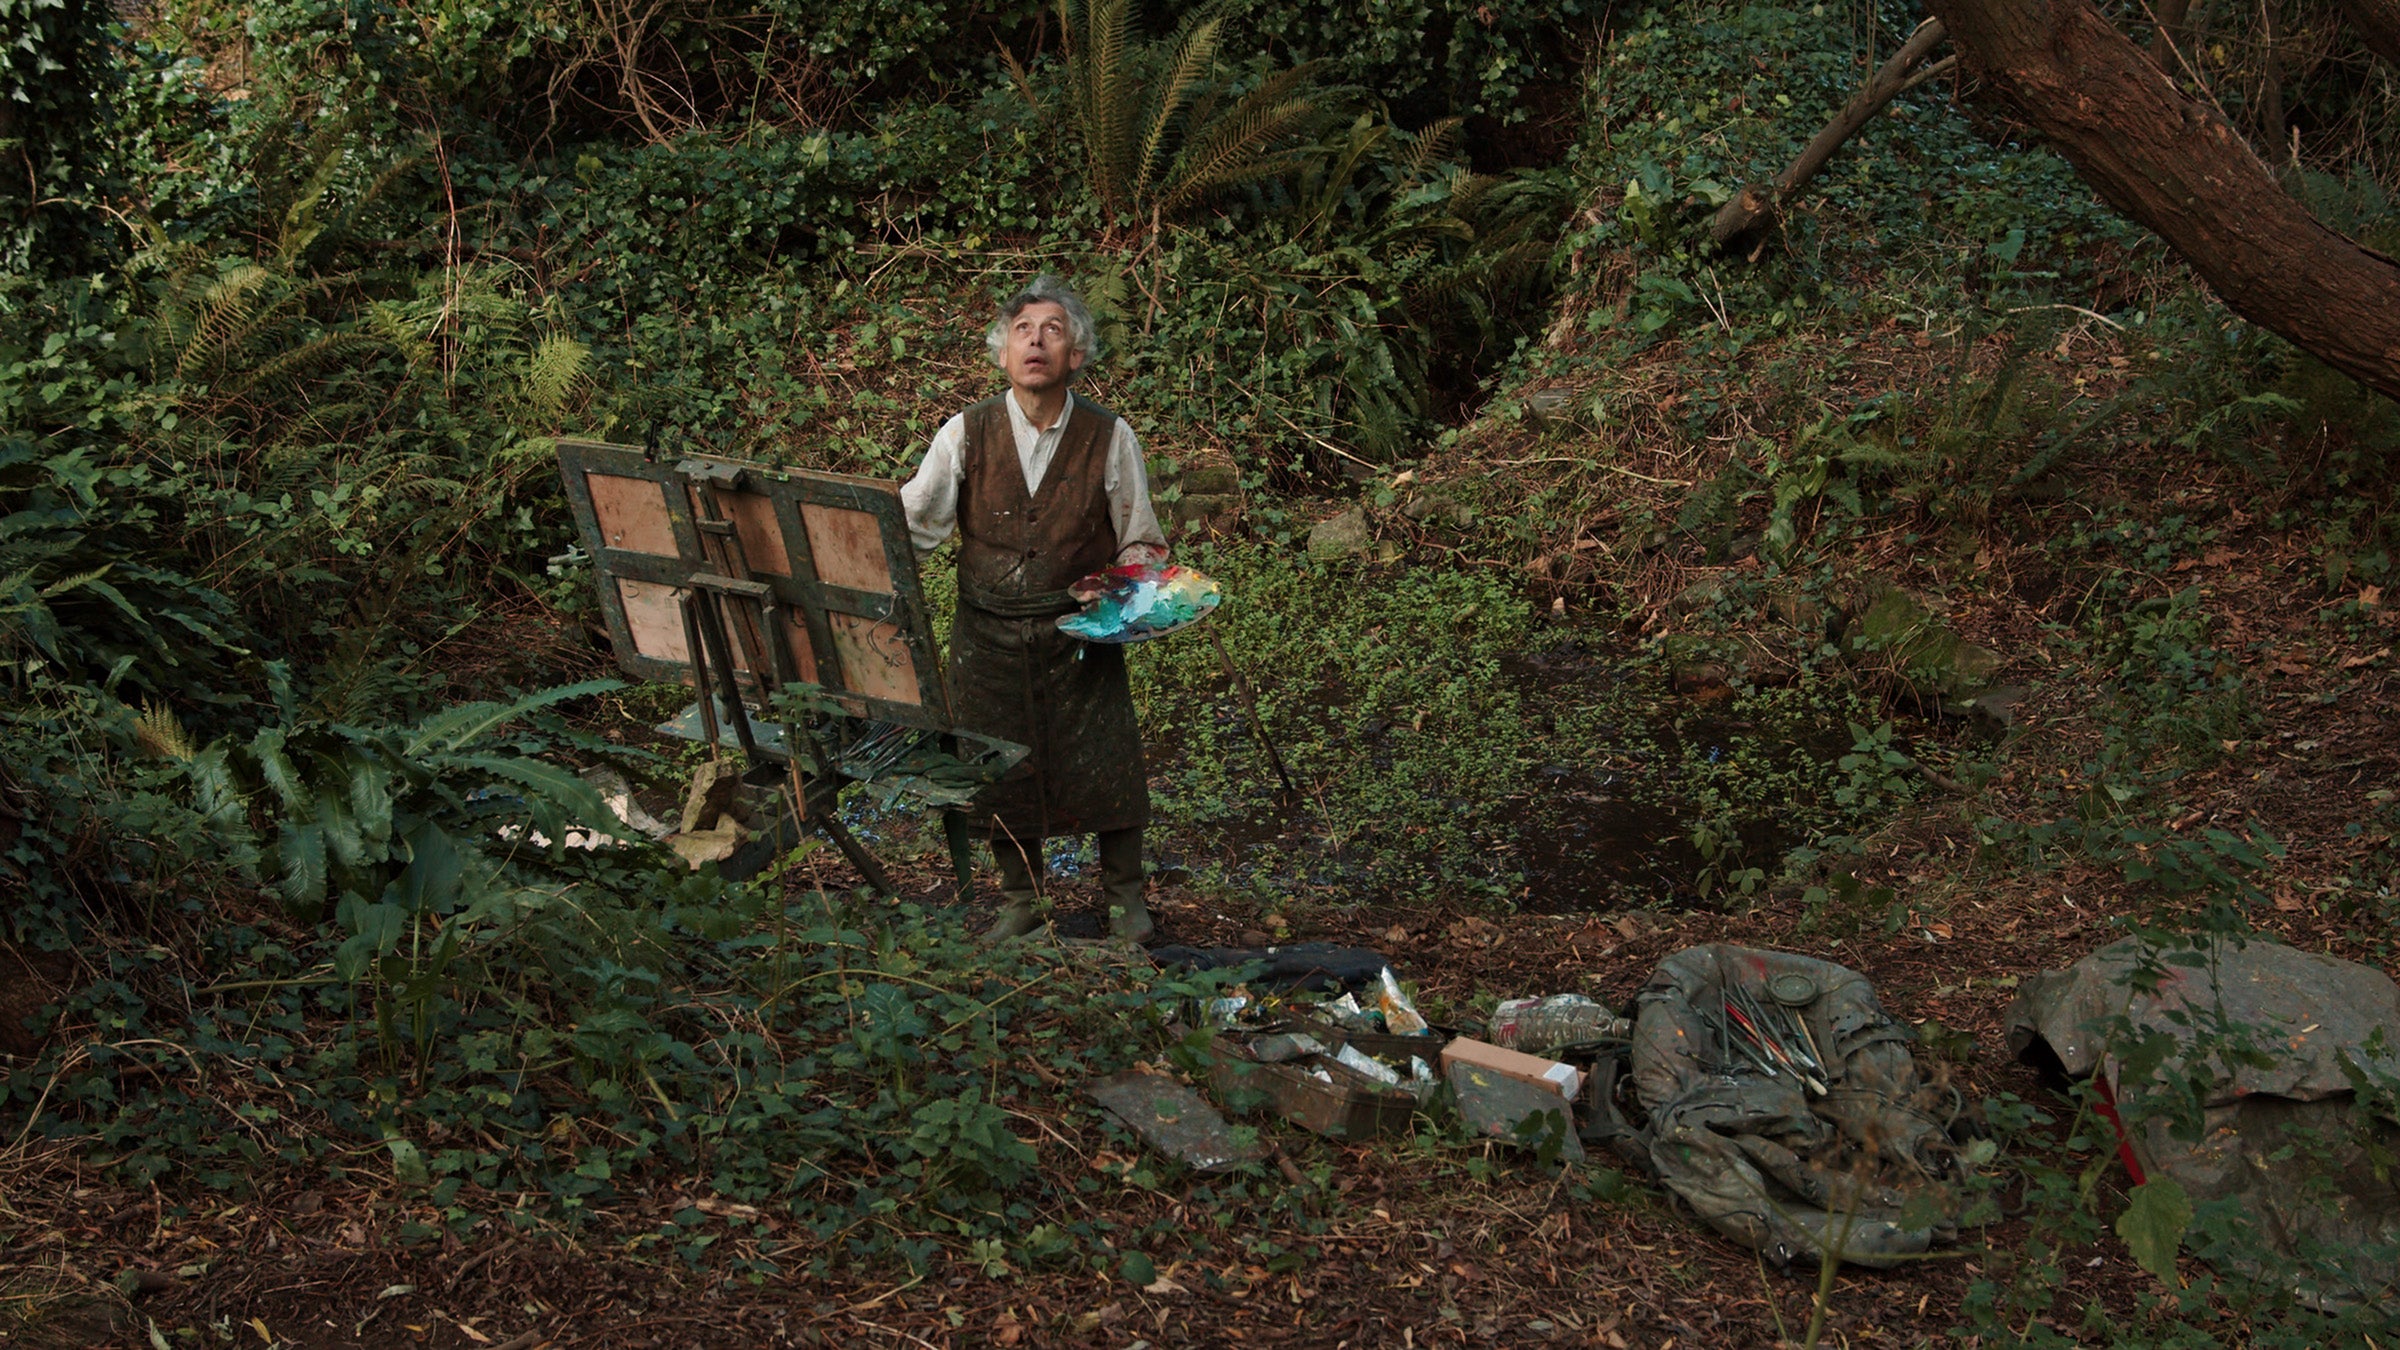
x=1539 y=1026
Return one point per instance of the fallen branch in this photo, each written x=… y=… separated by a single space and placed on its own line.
x=1757 y=205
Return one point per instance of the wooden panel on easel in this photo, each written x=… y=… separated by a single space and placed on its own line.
x=755 y=525
x=875 y=661
x=804 y=655
x=633 y=514
x=654 y=615
x=849 y=548
x=740 y=622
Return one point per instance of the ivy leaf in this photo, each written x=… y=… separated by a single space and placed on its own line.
x=2153 y=1225
x=1139 y=1269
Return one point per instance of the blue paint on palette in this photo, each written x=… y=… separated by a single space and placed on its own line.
x=1138 y=602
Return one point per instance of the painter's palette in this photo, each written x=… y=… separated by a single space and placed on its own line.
x=1140 y=601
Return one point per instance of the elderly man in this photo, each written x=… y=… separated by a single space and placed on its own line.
x=1044 y=488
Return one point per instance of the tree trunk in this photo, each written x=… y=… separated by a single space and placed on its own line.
x=2377 y=24
x=2173 y=165
x=1754 y=208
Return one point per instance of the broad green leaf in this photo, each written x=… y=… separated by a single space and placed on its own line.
x=408 y=1165
x=463 y=725
x=276 y=768
x=340 y=830
x=430 y=882
x=2153 y=1225
x=375 y=928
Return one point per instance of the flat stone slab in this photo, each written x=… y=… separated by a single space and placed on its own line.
x=1175 y=1120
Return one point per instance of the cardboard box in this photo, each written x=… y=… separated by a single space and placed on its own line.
x=1564 y=1079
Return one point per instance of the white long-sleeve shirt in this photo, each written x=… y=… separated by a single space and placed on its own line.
x=931 y=497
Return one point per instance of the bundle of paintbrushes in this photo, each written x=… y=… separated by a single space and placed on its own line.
x=1770 y=1037
x=876 y=753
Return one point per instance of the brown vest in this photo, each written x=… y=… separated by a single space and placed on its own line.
x=1018 y=553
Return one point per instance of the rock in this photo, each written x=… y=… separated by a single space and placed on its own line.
x=1342 y=536
x=1202 y=510
x=1700 y=595
x=30 y=980
x=136 y=1282
x=2000 y=704
x=1704 y=667
x=618 y=793
x=1200 y=495
x=1936 y=664
x=1208 y=479
x=1550 y=407
x=716 y=845
x=1799 y=610
x=721 y=814
x=1438 y=506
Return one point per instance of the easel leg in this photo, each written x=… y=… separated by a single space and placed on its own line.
x=857 y=855
x=962 y=853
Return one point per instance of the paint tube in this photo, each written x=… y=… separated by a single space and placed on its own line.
x=1344 y=1011
x=1288 y=1045
x=1361 y=1062
x=1224 y=1012
x=1400 y=1015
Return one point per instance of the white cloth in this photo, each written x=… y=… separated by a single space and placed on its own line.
x=931 y=498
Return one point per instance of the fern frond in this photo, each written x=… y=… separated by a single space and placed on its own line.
x=1326 y=185
x=1023 y=79
x=453 y=728
x=300 y=225
x=372 y=192
x=553 y=371
x=158 y=733
x=223 y=309
x=1431 y=147
x=53 y=589
x=392 y=321
x=1192 y=53
x=289 y=366
x=1237 y=145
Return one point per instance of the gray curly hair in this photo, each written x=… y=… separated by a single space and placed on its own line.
x=1046 y=289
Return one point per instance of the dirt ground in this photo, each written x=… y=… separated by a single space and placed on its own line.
x=1419 y=1249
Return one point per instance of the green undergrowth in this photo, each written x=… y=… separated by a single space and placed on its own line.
x=843 y=1065
x=1441 y=734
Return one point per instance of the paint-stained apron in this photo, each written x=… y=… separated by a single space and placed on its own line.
x=1067 y=701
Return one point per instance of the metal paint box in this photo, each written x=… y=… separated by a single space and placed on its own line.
x=1351 y=1106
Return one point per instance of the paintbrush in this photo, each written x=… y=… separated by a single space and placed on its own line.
x=1760 y=1027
